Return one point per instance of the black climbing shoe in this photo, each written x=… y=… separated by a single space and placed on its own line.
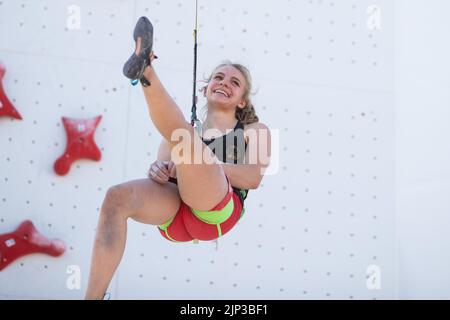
x=136 y=64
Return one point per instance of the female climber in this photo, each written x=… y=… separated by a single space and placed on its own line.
x=186 y=198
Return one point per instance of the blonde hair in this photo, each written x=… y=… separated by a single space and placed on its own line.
x=247 y=114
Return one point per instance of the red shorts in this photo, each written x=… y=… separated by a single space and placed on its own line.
x=188 y=225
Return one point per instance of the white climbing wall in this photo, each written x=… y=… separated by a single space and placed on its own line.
x=322 y=227
x=422 y=125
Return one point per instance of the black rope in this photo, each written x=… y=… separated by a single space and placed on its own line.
x=194 y=118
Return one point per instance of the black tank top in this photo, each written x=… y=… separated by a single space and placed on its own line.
x=230 y=148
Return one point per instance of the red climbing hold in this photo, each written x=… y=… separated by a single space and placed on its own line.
x=26 y=240
x=80 y=143
x=6 y=107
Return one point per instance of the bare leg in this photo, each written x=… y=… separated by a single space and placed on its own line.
x=201 y=186
x=143 y=200
x=163 y=110
x=108 y=248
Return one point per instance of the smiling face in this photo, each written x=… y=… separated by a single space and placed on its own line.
x=227 y=88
